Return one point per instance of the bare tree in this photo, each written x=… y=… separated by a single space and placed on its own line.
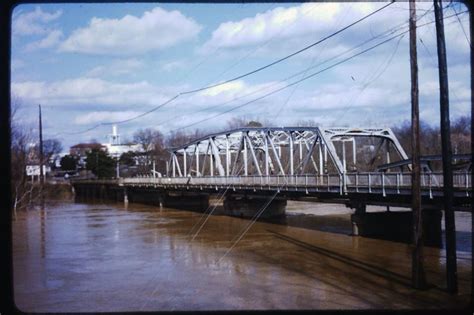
x=306 y=123
x=152 y=142
x=21 y=138
x=244 y=121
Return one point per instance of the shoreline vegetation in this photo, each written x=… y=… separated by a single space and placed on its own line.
x=53 y=192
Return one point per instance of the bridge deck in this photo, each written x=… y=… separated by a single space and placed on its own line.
x=373 y=188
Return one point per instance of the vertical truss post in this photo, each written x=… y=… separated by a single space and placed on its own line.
x=246 y=172
x=301 y=154
x=211 y=160
x=266 y=154
x=325 y=156
x=388 y=151
x=227 y=155
x=354 y=151
x=321 y=170
x=344 y=166
x=197 y=160
x=291 y=153
x=185 y=170
x=173 y=163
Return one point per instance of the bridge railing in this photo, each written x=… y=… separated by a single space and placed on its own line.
x=363 y=181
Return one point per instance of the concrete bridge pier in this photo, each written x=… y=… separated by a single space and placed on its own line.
x=397 y=226
x=247 y=207
x=188 y=201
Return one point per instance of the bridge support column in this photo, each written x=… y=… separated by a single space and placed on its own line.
x=397 y=226
x=247 y=207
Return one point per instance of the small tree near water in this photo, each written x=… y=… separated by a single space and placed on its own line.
x=100 y=163
x=68 y=163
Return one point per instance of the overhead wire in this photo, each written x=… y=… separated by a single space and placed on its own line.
x=239 y=76
x=290 y=55
x=381 y=35
x=304 y=78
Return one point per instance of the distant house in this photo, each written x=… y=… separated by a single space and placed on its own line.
x=80 y=151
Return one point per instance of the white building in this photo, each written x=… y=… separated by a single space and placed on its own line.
x=115 y=148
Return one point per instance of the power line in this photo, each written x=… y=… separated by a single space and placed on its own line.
x=304 y=71
x=462 y=27
x=290 y=55
x=240 y=76
x=291 y=84
x=381 y=35
x=304 y=78
x=188 y=92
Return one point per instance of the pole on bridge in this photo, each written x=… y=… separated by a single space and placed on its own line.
x=41 y=176
x=451 y=264
x=418 y=272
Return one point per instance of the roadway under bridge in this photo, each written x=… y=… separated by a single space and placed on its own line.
x=254 y=171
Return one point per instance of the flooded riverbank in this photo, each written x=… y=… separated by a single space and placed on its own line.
x=106 y=257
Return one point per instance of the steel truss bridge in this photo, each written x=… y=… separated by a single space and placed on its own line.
x=350 y=165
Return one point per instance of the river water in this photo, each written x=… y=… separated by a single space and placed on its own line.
x=93 y=257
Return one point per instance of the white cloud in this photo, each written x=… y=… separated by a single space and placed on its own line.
x=173 y=65
x=90 y=92
x=50 y=40
x=33 y=22
x=117 y=68
x=104 y=116
x=235 y=86
x=279 y=23
x=154 y=30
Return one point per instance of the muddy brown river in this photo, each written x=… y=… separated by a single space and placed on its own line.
x=94 y=257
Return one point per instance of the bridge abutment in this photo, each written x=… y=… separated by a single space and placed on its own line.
x=397 y=226
x=247 y=207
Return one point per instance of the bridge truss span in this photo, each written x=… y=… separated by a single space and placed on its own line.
x=286 y=151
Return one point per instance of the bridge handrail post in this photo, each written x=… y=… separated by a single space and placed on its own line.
x=341 y=183
x=398 y=183
x=369 y=180
x=357 y=181
x=467 y=183
x=328 y=180
x=383 y=184
x=429 y=183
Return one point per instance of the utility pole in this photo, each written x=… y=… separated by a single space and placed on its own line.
x=451 y=264
x=418 y=272
x=41 y=157
x=117 y=169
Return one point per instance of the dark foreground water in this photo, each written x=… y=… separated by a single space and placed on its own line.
x=105 y=257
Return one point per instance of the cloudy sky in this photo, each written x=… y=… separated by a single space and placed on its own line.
x=92 y=64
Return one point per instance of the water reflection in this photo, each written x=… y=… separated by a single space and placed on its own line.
x=109 y=257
